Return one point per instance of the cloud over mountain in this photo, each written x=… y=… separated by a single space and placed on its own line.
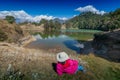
x=22 y=16
x=90 y=8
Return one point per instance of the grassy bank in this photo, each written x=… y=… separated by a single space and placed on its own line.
x=81 y=34
x=30 y=64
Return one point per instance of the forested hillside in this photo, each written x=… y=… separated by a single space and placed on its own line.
x=89 y=20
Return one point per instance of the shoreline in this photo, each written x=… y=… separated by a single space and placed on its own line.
x=25 y=40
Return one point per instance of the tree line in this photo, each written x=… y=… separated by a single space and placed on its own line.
x=50 y=25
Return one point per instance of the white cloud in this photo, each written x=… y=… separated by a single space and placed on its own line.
x=74 y=15
x=64 y=18
x=22 y=16
x=90 y=8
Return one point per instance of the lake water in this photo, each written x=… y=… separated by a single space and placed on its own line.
x=63 y=41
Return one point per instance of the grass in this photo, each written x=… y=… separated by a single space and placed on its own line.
x=37 y=65
x=103 y=69
x=81 y=30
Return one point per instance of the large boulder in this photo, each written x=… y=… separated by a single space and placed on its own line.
x=107 y=45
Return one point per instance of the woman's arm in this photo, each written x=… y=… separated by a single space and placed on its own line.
x=59 y=69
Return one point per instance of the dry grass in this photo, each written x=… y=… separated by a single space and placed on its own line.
x=11 y=32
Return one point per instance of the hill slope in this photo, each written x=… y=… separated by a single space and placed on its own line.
x=10 y=32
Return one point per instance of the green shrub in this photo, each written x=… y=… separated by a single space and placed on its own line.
x=3 y=36
x=10 y=19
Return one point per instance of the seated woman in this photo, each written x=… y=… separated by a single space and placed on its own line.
x=67 y=65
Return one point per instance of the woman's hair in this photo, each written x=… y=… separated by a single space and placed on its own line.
x=62 y=62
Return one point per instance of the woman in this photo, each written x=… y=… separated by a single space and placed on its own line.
x=67 y=65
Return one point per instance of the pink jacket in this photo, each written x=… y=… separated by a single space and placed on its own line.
x=71 y=68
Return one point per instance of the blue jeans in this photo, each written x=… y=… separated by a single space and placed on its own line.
x=80 y=68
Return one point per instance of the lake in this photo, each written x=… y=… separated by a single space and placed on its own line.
x=67 y=41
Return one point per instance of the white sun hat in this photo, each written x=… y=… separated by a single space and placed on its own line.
x=62 y=56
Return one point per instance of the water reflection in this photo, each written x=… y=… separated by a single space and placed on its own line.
x=50 y=41
x=73 y=44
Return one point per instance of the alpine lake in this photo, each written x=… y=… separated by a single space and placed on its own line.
x=64 y=40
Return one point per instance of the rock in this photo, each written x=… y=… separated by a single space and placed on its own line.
x=108 y=44
x=24 y=41
x=114 y=55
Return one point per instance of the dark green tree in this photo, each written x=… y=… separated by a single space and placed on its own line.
x=57 y=25
x=51 y=25
x=10 y=19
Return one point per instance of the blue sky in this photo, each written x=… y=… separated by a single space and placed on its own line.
x=57 y=8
